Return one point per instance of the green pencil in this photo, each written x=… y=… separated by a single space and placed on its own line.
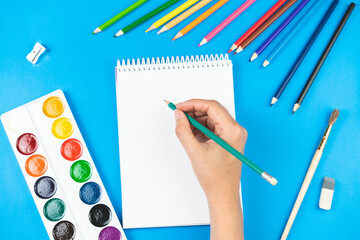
x=227 y=147
x=145 y=17
x=119 y=16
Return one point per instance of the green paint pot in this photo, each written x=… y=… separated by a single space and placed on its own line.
x=81 y=171
x=54 y=209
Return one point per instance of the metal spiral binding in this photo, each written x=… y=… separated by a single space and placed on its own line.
x=173 y=63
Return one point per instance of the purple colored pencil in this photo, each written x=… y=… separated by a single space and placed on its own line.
x=279 y=29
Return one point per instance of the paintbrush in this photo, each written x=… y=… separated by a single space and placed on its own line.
x=310 y=173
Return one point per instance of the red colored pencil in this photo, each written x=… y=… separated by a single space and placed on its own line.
x=253 y=28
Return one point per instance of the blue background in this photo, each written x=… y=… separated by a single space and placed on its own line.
x=82 y=65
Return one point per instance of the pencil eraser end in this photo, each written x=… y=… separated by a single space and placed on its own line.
x=327 y=192
x=273 y=181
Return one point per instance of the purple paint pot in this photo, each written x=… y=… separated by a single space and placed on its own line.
x=110 y=233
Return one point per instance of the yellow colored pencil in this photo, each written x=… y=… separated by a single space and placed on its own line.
x=172 y=14
x=184 y=15
x=200 y=19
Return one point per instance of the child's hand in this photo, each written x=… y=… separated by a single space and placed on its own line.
x=217 y=170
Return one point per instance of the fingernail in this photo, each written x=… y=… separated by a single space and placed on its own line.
x=177 y=114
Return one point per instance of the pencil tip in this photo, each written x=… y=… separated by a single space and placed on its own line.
x=233 y=47
x=152 y=27
x=162 y=30
x=273 y=101
x=296 y=107
x=239 y=49
x=253 y=57
x=204 y=41
x=178 y=35
x=265 y=63
x=293 y=113
x=97 y=30
x=119 y=33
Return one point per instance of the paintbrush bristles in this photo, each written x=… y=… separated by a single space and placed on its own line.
x=334 y=116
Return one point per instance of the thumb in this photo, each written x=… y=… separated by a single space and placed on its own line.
x=184 y=132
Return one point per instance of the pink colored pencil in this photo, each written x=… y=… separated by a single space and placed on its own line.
x=226 y=22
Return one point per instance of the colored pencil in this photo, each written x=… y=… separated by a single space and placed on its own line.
x=200 y=19
x=323 y=56
x=305 y=50
x=292 y=32
x=263 y=27
x=172 y=14
x=184 y=15
x=282 y=26
x=309 y=174
x=145 y=17
x=227 y=21
x=119 y=16
x=227 y=147
x=253 y=28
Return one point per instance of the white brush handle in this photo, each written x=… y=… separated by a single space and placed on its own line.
x=309 y=175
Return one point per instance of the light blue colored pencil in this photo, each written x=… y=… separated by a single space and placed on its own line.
x=298 y=25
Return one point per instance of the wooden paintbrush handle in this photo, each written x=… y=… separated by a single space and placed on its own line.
x=309 y=175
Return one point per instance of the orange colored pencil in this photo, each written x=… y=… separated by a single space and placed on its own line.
x=200 y=19
x=184 y=15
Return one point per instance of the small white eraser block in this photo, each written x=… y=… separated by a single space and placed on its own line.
x=34 y=55
x=327 y=192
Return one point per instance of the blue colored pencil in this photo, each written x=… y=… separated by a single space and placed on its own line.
x=323 y=57
x=292 y=32
x=279 y=29
x=304 y=51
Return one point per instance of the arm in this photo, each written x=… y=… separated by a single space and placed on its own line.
x=217 y=171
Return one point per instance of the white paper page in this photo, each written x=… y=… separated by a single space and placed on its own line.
x=159 y=187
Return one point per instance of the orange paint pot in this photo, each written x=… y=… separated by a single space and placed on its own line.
x=36 y=165
x=53 y=107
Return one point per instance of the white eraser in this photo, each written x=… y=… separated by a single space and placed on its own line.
x=327 y=192
x=34 y=55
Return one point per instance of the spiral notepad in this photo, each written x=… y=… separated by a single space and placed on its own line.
x=159 y=187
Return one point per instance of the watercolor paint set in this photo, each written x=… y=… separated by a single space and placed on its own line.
x=59 y=171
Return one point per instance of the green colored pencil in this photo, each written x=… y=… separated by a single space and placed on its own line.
x=119 y=16
x=227 y=147
x=145 y=17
